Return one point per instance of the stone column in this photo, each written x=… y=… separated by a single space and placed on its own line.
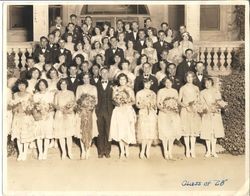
x=40 y=21
x=192 y=20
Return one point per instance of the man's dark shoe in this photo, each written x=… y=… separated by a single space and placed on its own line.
x=100 y=156
x=107 y=156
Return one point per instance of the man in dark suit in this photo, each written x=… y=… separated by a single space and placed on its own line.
x=104 y=111
x=119 y=27
x=75 y=21
x=24 y=74
x=58 y=25
x=73 y=80
x=138 y=84
x=156 y=66
x=95 y=74
x=76 y=36
x=111 y=52
x=88 y=21
x=141 y=42
x=171 y=74
x=63 y=50
x=188 y=64
x=133 y=35
x=42 y=48
x=200 y=75
x=52 y=46
x=161 y=45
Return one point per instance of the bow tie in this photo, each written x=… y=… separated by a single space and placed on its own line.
x=200 y=74
x=104 y=82
x=146 y=75
x=72 y=76
x=96 y=77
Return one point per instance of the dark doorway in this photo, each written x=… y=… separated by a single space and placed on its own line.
x=176 y=16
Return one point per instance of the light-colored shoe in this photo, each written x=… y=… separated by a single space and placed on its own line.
x=188 y=154
x=24 y=157
x=147 y=154
x=215 y=155
x=40 y=156
x=20 y=157
x=63 y=156
x=122 y=156
x=44 y=156
x=193 y=155
x=141 y=155
x=208 y=154
x=70 y=156
x=87 y=154
x=166 y=156
x=127 y=154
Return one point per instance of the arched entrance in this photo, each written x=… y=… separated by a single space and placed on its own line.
x=112 y=13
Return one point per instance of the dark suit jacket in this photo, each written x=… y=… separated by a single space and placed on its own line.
x=200 y=84
x=138 y=84
x=131 y=37
x=138 y=46
x=92 y=81
x=76 y=37
x=105 y=104
x=159 y=48
x=48 y=54
x=109 y=56
x=183 y=68
x=25 y=74
x=67 y=54
x=73 y=85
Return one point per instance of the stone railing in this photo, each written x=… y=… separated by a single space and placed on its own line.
x=217 y=56
x=19 y=51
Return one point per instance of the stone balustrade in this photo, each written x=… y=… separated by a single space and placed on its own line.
x=217 y=56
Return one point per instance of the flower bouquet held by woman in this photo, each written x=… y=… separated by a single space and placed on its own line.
x=121 y=97
x=41 y=110
x=170 y=104
x=68 y=108
x=85 y=106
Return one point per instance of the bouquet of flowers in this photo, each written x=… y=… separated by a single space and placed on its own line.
x=218 y=105
x=121 y=97
x=197 y=107
x=40 y=110
x=86 y=102
x=68 y=108
x=22 y=107
x=170 y=104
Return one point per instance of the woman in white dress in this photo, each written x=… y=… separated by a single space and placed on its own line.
x=122 y=127
x=86 y=46
x=85 y=135
x=115 y=68
x=129 y=53
x=211 y=124
x=64 y=123
x=22 y=125
x=78 y=60
x=61 y=60
x=147 y=120
x=53 y=80
x=45 y=71
x=63 y=71
x=175 y=54
x=150 y=52
x=106 y=27
x=111 y=32
x=190 y=119
x=79 y=49
x=169 y=37
x=96 y=49
x=105 y=43
x=185 y=43
x=35 y=75
x=162 y=73
x=44 y=126
x=97 y=36
x=121 y=41
x=58 y=36
x=168 y=121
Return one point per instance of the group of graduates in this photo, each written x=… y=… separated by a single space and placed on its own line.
x=150 y=65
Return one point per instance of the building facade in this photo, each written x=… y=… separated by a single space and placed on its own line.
x=211 y=26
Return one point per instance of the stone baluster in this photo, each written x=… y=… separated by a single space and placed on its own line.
x=209 y=60
x=29 y=51
x=9 y=52
x=215 y=68
x=229 y=60
x=23 y=57
x=202 y=56
x=16 y=58
x=222 y=61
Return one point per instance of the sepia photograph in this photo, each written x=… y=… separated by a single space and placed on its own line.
x=125 y=98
